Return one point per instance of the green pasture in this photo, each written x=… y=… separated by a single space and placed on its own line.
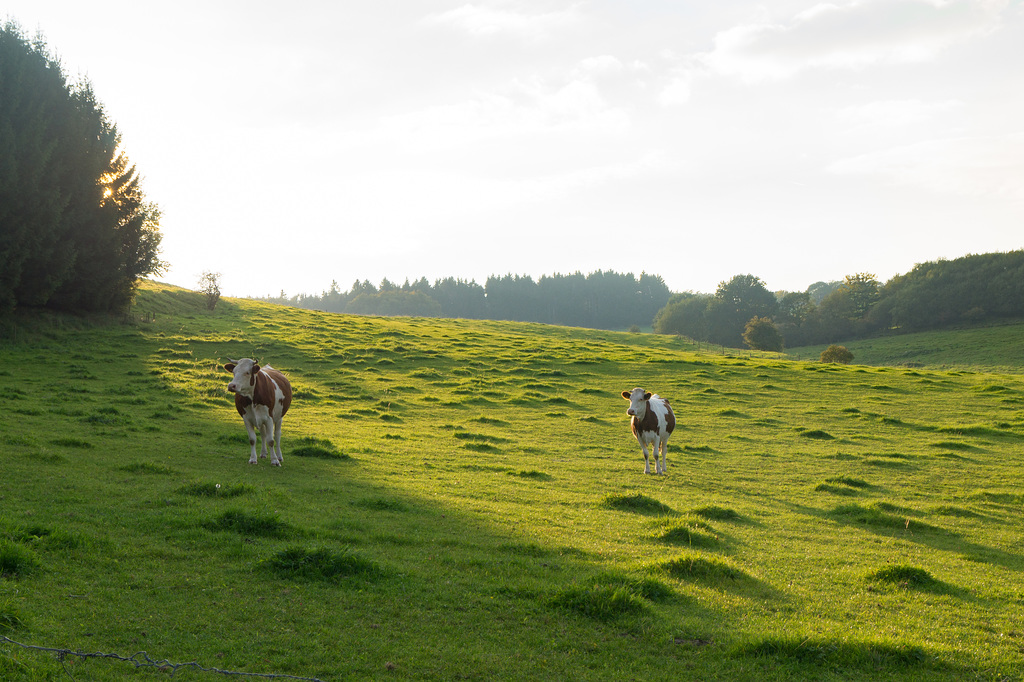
x=464 y=500
x=993 y=348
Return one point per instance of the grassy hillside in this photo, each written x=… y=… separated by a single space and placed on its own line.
x=463 y=500
x=993 y=348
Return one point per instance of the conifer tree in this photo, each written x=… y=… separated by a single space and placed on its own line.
x=76 y=232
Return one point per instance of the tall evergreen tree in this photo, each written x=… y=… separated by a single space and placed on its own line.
x=75 y=229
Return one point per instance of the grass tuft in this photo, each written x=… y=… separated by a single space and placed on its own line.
x=148 y=468
x=322 y=564
x=689 y=534
x=10 y=618
x=72 y=443
x=817 y=434
x=320 y=448
x=17 y=561
x=716 y=513
x=848 y=481
x=638 y=503
x=215 y=490
x=605 y=603
x=697 y=567
x=532 y=474
x=244 y=523
x=382 y=504
x=836 y=654
x=904 y=576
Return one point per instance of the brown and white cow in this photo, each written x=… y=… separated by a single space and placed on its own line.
x=262 y=397
x=653 y=422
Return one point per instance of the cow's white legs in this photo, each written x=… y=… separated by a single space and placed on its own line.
x=276 y=456
x=647 y=458
x=251 y=429
x=664 y=451
x=266 y=433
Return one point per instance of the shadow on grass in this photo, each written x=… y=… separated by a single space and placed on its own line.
x=888 y=519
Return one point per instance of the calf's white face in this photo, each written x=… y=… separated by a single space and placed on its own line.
x=637 y=398
x=244 y=379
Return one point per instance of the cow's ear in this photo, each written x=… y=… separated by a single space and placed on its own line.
x=255 y=369
x=625 y=394
x=230 y=367
x=647 y=396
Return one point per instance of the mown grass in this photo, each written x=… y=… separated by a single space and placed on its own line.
x=463 y=499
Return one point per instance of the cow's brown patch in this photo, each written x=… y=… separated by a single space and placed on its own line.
x=670 y=418
x=241 y=402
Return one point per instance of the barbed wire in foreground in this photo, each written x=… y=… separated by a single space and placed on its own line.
x=142 y=660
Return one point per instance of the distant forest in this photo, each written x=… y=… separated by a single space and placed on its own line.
x=600 y=300
x=934 y=295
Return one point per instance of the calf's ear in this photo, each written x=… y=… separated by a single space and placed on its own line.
x=230 y=367
x=626 y=394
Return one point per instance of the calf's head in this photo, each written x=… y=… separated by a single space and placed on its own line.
x=245 y=371
x=637 y=398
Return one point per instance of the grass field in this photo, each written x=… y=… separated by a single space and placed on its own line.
x=996 y=348
x=463 y=500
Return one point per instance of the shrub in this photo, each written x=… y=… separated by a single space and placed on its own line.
x=762 y=334
x=837 y=354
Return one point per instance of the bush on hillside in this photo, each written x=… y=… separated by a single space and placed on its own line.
x=837 y=354
x=762 y=334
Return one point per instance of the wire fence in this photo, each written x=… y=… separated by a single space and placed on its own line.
x=143 y=660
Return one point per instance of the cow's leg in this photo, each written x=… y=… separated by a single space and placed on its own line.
x=265 y=435
x=655 y=449
x=647 y=458
x=276 y=456
x=250 y=427
x=664 y=451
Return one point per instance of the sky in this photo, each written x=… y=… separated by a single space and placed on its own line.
x=294 y=145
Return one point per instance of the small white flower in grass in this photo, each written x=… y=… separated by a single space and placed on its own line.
x=218 y=486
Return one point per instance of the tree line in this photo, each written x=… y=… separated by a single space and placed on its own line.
x=741 y=312
x=76 y=231
x=600 y=300
x=939 y=294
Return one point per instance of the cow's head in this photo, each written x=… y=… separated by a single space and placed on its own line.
x=245 y=371
x=637 y=398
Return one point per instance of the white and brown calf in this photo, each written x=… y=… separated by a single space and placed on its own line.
x=653 y=422
x=262 y=397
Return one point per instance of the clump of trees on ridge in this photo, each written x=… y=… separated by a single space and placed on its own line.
x=76 y=231
x=934 y=295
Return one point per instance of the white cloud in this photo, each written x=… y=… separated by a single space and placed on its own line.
x=893 y=113
x=851 y=35
x=487 y=19
x=971 y=166
x=522 y=108
x=603 y=65
x=678 y=89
